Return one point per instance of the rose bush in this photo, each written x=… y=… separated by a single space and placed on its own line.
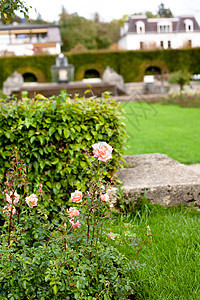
x=75 y=256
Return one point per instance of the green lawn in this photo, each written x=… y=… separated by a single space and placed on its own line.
x=168 y=129
x=172 y=259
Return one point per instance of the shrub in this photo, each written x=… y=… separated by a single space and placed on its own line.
x=74 y=256
x=53 y=134
x=189 y=98
x=180 y=78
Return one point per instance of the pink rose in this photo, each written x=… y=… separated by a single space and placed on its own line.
x=7 y=210
x=31 y=200
x=103 y=151
x=77 y=224
x=72 y=211
x=104 y=197
x=102 y=187
x=13 y=198
x=111 y=236
x=76 y=196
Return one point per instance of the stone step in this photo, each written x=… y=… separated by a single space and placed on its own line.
x=162 y=180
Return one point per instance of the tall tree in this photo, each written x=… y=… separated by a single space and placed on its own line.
x=106 y=33
x=96 y=17
x=76 y=30
x=64 y=17
x=164 y=12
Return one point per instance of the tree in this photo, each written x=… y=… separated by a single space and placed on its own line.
x=96 y=17
x=164 y=12
x=9 y=8
x=64 y=17
x=106 y=33
x=180 y=77
x=123 y=20
x=149 y=14
x=39 y=20
x=76 y=30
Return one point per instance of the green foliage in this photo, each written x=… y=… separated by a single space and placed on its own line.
x=53 y=136
x=90 y=34
x=149 y=14
x=164 y=12
x=140 y=208
x=106 y=34
x=180 y=77
x=31 y=64
x=54 y=273
x=78 y=30
x=8 y=9
x=130 y=64
x=190 y=98
x=57 y=260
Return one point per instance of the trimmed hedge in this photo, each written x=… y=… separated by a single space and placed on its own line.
x=32 y=64
x=53 y=135
x=130 y=64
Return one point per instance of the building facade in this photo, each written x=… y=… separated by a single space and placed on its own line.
x=159 y=33
x=28 y=39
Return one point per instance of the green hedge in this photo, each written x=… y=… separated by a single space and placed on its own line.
x=38 y=65
x=130 y=64
x=53 y=136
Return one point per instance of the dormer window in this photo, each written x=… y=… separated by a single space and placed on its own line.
x=164 y=27
x=189 y=27
x=140 y=27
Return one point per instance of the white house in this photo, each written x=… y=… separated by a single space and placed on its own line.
x=154 y=33
x=29 y=39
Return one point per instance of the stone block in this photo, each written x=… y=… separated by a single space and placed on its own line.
x=162 y=180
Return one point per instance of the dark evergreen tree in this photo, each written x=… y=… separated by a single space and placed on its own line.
x=164 y=12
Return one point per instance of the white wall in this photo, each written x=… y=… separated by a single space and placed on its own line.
x=131 y=41
x=25 y=49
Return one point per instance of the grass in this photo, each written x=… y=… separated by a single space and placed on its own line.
x=172 y=259
x=168 y=129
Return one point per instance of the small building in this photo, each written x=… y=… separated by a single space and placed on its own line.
x=159 y=33
x=28 y=39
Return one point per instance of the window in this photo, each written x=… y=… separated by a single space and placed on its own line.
x=164 y=27
x=169 y=44
x=161 y=44
x=21 y=36
x=140 y=27
x=189 y=43
x=141 y=45
x=189 y=27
